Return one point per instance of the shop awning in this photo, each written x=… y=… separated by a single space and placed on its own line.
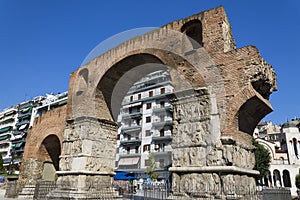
x=3 y=130
x=129 y=161
x=4 y=137
x=123 y=176
x=19 y=144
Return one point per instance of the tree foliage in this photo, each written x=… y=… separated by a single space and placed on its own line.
x=262 y=159
x=150 y=170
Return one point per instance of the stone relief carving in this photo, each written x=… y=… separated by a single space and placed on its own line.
x=200 y=184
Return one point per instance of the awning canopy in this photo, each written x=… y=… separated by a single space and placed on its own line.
x=4 y=137
x=25 y=110
x=129 y=161
x=123 y=176
x=3 y=130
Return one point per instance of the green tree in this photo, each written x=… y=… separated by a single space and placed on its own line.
x=2 y=169
x=150 y=170
x=262 y=159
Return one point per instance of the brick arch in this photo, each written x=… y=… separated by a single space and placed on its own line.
x=39 y=147
x=221 y=96
x=136 y=66
x=248 y=107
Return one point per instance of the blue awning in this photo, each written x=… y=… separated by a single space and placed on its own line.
x=3 y=130
x=123 y=176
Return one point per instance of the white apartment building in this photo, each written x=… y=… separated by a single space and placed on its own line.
x=8 y=119
x=283 y=144
x=146 y=126
x=15 y=121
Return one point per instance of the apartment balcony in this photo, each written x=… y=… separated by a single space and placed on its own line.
x=162 y=153
x=129 y=155
x=160 y=123
x=24 y=115
x=20 y=123
x=26 y=106
x=5 y=129
x=4 y=147
x=133 y=141
x=162 y=138
x=158 y=109
x=131 y=128
x=5 y=138
x=132 y=115
x=8 y=119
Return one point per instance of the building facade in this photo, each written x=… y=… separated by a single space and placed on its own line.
x=146 y=126
x=17 y=120
x=8 y=120
x=283 y=143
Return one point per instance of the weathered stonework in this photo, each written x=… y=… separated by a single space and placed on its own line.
x=221 y=93
x=43 y=145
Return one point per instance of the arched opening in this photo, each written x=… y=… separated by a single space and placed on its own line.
x=286 y=178
x=193 y=29
x=50 y=151
x=295 y=147
x=270 y=183
x=251 y=113
x=121 y=76
x=277 y=178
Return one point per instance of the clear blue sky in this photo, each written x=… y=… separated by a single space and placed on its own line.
x=42 y=42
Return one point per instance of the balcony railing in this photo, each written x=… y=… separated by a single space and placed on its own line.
x=26 y=121
x=166 y=153
x=131 y=115
x=161 y=138
x=131 y=141
x=128 y=155
x=131 y=128
x=163 y=108
x=160 y=123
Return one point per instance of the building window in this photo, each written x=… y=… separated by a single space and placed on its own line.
x=130 y=110
x=139 y=96
x=162 y=90
x=131 y=98
x=148 y=133
x=150 y=93
x=138 y=108
x=148 y=119
x=162 y=132
x=118 y=137
x=147 y=162
x=137 y=149
x=128 y=150
x=148 y=106
x=161 y=163
x=162 y=118
x=146 y=147
x=138 y=122
x=116 y=163
x=295 y=146
x=162 y=104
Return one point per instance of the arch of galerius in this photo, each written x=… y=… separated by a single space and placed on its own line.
x=220 y=94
